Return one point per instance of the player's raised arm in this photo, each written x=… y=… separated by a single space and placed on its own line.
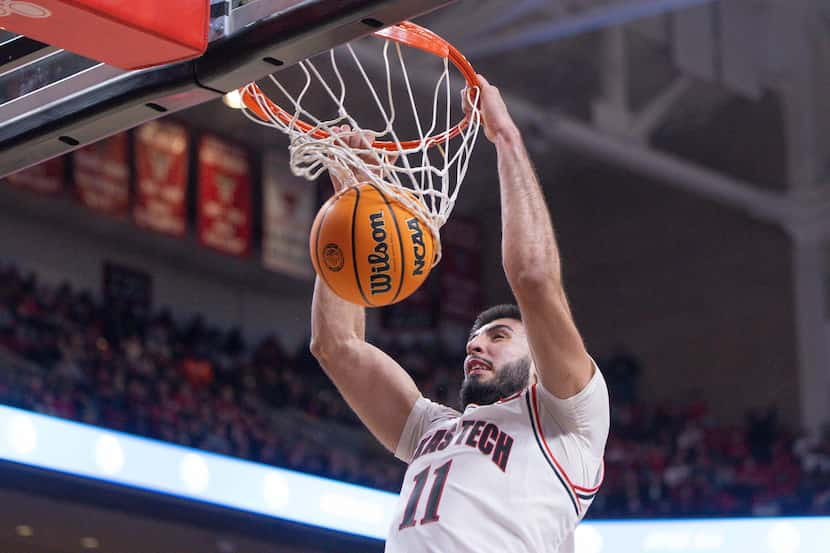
x=531 y=257
x=378 y=389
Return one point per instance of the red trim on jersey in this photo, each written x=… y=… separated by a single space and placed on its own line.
x=596 y=488
x=536 y=428
x=574 y=488
x=510 y=398
x=546 y=449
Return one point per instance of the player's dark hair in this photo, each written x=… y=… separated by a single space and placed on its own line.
x=503 y=311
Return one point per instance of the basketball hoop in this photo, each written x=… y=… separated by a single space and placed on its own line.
x=423 y=173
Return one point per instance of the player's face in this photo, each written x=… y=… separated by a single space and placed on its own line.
x=497 y=363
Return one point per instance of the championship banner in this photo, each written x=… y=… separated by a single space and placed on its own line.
x=102 y=175
x=460 y=270
x=224 y=197
x=161 y=163
x=288 y=212
x=45 y=178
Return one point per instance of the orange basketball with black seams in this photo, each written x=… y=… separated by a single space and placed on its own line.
x=369 y=248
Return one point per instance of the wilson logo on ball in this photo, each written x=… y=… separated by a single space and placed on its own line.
x=370 y=249
x=380 y=280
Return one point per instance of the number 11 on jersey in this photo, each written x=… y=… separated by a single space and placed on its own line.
x=434 y=500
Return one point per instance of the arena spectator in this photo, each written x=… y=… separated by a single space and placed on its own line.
x=199 y=386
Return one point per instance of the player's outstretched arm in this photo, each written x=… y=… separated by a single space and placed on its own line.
x=377 y=388
x=531 y=257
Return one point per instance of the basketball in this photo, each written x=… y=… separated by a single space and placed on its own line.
x=369 y=248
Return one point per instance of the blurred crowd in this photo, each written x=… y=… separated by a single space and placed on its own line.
x=119 y=366
x=678 y=461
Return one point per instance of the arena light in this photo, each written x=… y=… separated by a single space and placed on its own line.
x=88 y=451
x=588 y=539
x=92 y=452
x=90 y=542
x=233 y=99
x=109 y=455
x=21 y=434
x=195 y=473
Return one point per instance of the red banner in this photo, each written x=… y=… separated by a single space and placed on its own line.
x=161 y=160
x=224 y=197
x=102 y=175
x=45 y=178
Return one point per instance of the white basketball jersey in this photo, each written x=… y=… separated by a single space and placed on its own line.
x=515 y=476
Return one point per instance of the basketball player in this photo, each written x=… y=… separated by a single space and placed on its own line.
x=519 y=467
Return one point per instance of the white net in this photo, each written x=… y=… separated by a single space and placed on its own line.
x=424 y=174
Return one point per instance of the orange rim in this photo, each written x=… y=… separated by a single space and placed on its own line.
x=407 y=33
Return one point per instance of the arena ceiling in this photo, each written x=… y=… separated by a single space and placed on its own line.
x=725 y=99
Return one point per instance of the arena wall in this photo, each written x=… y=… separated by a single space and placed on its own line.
x=702 y=294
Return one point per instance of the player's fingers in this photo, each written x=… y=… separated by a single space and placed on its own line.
x=339 y=131
x=350 y=139
x=349 y=136
x=336 y=133
x=392 y=157
x=356 y=139
x=366 y=138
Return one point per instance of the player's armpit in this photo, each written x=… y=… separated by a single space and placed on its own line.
x=374 y=385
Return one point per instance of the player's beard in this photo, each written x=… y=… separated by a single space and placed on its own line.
x=511 y=378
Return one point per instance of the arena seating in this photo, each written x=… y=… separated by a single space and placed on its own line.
x=68 y=355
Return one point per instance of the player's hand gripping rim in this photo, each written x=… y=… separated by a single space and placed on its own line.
x=357 y=140
x=495 y=118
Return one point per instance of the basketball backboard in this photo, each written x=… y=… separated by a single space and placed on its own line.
x=53 y=101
